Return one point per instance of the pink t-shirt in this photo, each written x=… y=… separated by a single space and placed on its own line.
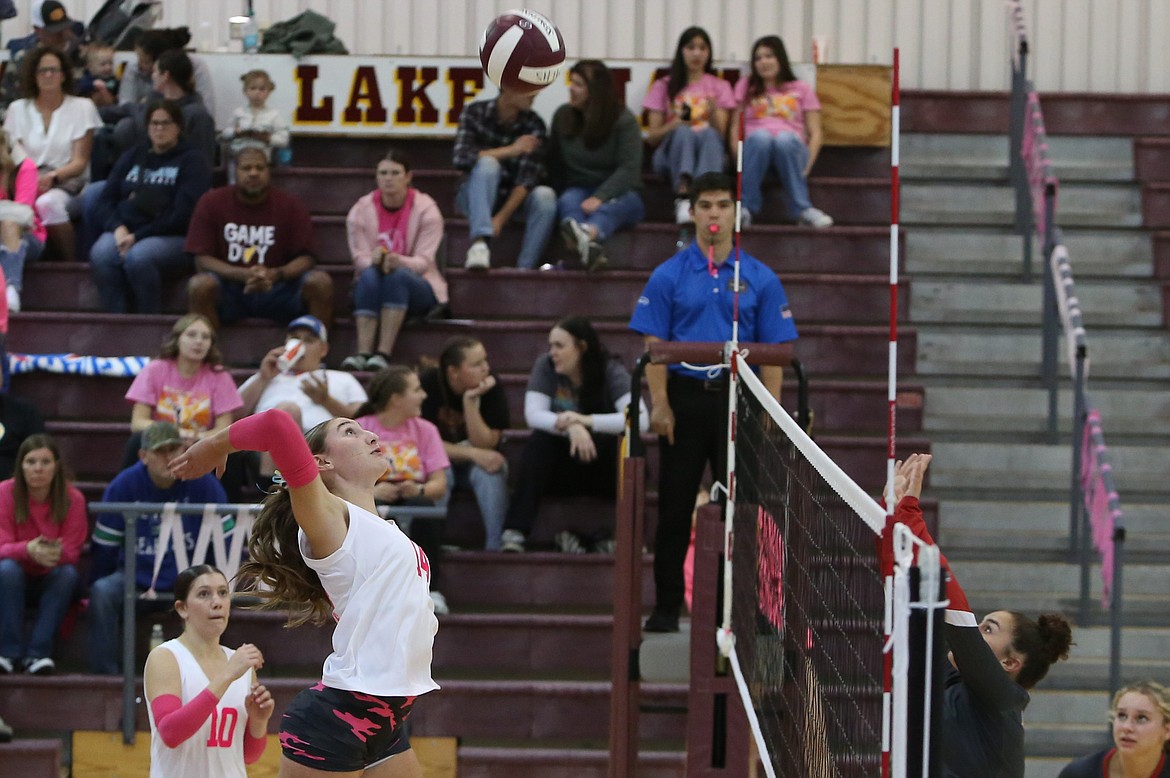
x=413 y=448
x=189 y=403
x=699 y=95
x=392 y=224
x=779 y=109
x=14 y=537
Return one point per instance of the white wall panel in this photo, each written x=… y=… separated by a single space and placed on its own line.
x=1076 y=45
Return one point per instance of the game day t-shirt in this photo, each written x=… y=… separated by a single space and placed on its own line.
x=271 y=233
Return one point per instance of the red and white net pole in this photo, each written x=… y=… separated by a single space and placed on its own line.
x=723 y=633
x=891 y=399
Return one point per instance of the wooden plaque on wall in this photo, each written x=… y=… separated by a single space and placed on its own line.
x=855 y=104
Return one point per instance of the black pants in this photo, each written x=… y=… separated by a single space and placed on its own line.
x=547 y=467
x=700 y=439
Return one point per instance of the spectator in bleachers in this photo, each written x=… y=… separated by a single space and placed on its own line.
x=42 y=529
x=253 y=246
x=144 y=209
x=60 y=147
x=137 y=86
x=418 y=461
x=687 y=117
x=782 y=132
x=575 y=405
x=394 y=234
x=148 y=481
x=1140 y=713
x=255 y=123
x=595 y=163
x=52 y=27
x=306 y=389
x=22 y=235
x=500 y=146
x=186 y=385
x=468 y=405
x=174 y=79
x=98 y=81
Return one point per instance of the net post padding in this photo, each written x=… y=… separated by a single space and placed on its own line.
x=673 y=353
x=627 y=626
x=717 y=725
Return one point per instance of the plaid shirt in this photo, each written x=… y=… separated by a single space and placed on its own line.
x=480 y=129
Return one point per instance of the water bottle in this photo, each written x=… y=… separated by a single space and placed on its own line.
x=251 y=35
x=157 y=638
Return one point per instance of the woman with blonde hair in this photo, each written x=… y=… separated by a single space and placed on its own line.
x=1140 y=713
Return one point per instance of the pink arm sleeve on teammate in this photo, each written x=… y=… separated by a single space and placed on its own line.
x=275 y=431
x=176 y=722
x=253 y=746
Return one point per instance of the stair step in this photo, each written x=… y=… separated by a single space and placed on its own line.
x=968 y=301
x=1082 y=204
x=32 y=757
x=1025 y=410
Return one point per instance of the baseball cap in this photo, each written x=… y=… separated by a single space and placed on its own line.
x=312 y=324
x=161 y=434
x=50 y=16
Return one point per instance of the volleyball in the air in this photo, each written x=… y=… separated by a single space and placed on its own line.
x=522 y=51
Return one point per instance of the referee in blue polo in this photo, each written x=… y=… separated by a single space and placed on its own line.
x=690 y=298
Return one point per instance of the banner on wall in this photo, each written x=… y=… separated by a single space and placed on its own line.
x=358 y=95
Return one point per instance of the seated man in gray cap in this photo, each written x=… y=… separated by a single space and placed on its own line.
x=148 y=481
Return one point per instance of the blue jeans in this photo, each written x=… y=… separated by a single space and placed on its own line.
x=402 y=288
x=137 y=276
x=53 y=593
x=105 y=624
x=491 y=495
x=13 y=262
x=625 y=210
x=684 y=152
x=787 y=155
x=479 y=198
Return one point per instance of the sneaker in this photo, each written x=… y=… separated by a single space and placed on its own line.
x=356 y=363
x=13 y=299
x=815 y=217
x=39 y=666
x=512 y=540
x=575 y=236
x=568 y=543
x=6 y=665
x=479 y=256
x=438 y=313
x=5 y=732
x=605 y=546
x=377 y=361
x=745 y=218
x=440 y=603
x=682 y=210
x=661 y=621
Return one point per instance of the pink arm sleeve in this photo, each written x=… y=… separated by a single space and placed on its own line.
x=176 y=722
x=253 y=746
x=274 y=431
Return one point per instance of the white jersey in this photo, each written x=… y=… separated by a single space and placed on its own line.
x=216 y=750
x=286 y=388
x=379 y=584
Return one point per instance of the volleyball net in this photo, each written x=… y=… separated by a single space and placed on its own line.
x=833 y=659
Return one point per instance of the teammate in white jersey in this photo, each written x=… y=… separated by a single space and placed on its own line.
x=208 y=714
x=320 y=549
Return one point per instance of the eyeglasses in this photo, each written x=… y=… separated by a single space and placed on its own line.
x=161 y=124
x=48 y=71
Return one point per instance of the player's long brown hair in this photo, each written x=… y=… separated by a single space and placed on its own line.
x=275 y=571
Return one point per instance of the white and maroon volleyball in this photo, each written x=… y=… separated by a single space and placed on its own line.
x=522 y=51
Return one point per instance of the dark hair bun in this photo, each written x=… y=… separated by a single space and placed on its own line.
x=1056 y=635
